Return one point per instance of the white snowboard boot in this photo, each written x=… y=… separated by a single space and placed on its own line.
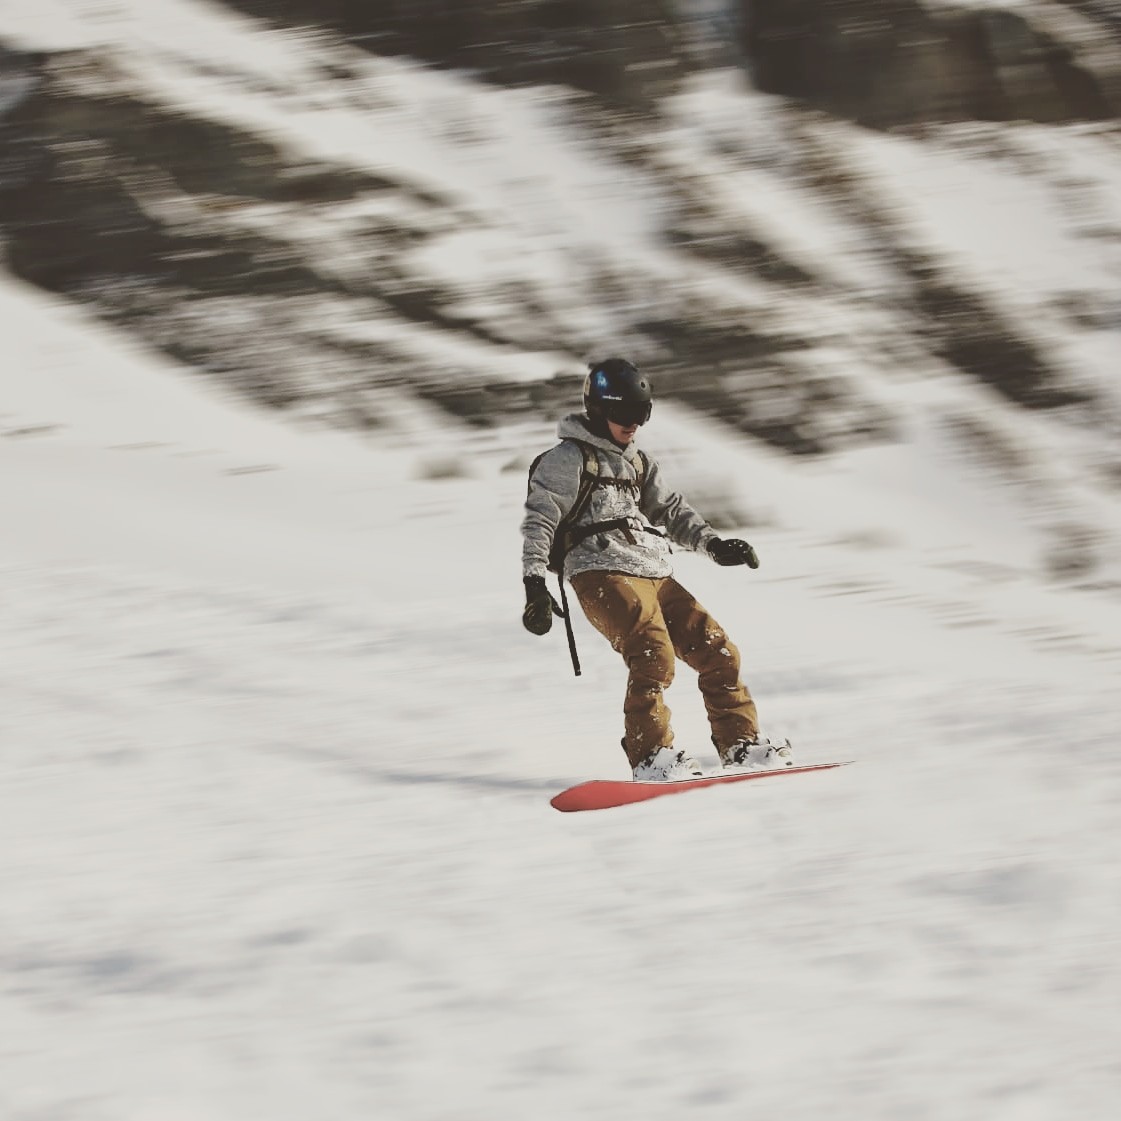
x=667 y=764
x=759 y=755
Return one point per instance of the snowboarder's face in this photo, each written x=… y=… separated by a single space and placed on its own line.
x=622 y=433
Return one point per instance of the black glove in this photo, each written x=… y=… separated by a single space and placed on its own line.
x=732 y=552
x=540 y=607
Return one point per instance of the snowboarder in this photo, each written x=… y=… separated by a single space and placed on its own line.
x=593 y=511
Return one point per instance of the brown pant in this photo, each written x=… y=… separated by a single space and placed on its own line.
x=650 y=622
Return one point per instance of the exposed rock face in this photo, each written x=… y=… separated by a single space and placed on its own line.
x=297 y=280
x=622 y=50
x=898 y=62
x=146 y=215
x=879 y=62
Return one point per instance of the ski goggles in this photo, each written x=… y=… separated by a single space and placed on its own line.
x=626 y=413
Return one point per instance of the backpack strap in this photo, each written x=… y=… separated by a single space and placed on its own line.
x=577 y=534
x=589 y=479
x=589 y=476
x=568 y=534
x=642 y=466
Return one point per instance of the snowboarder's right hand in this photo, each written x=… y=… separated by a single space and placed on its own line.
x=540 y=607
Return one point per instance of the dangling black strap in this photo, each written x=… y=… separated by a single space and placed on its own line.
x=568 y=627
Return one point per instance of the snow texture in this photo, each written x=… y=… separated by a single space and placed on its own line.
x=276 y=755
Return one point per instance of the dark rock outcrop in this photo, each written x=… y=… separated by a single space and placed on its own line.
x=879 y=62
x=896 y=62
x=310 y=284
x=623 y=51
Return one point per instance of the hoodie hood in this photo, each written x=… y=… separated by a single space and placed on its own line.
x=575 y=427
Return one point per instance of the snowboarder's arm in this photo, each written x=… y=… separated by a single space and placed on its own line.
x=552 y=491
x=669 y=509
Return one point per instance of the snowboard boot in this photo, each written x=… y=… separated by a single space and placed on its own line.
x=759 y=754
x=667 y=764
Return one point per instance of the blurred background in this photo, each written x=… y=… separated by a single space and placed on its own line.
x=462 y=202
x=291 y=293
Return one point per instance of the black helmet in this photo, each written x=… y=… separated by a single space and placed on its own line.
x=615 y=390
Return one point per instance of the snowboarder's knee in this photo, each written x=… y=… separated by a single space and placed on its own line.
x=652 y=661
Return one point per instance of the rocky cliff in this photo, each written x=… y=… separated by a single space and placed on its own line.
x=322 y=279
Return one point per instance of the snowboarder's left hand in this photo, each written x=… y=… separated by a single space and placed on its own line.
x=540 y=607
x=733 y=551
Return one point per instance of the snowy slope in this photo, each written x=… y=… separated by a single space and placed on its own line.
x=276 y=754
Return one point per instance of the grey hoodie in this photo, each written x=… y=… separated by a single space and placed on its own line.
x=553 y=489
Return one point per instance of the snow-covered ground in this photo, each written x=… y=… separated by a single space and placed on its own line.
x=276 y=754
x=276 y=761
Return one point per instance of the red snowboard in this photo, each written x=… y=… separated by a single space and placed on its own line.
x=602 y=794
